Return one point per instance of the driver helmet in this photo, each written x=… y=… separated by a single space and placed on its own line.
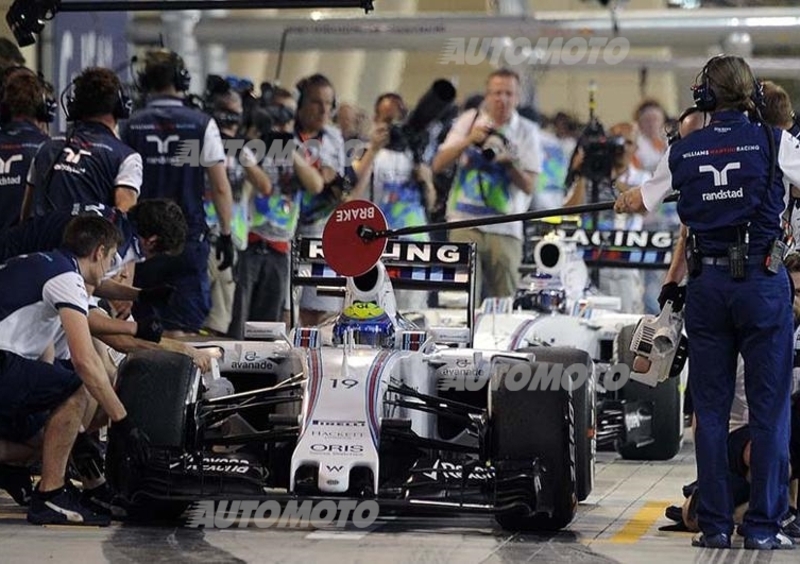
x=542 y=293
x=366 y=323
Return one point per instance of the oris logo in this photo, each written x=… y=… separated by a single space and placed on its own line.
x=338 y=449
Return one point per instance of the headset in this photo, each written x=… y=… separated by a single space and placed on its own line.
x=45 y=111
x=122 y=109
x=181 y=78
x=706 y=100
x=310 y=82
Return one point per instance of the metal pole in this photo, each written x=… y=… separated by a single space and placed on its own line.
x=170 y=5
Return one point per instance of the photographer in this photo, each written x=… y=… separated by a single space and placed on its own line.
x=737 y=294
x=499 y=157
x=262 y=272
x=400 y=185
x=225 y=106
x=600 y=177
x=323 y=148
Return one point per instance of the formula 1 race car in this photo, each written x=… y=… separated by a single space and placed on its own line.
x=642 y=419
x=556 y=305
x=356 y=410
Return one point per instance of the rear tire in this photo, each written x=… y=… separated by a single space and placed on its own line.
x=665 y=400
x=527 y=425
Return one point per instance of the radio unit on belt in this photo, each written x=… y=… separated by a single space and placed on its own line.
x=736 y=258
x=777 y=253
x=737 y=253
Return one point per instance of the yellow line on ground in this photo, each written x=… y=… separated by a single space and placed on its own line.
x=638 y=526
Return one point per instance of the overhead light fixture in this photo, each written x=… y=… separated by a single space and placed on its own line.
x=26 y=18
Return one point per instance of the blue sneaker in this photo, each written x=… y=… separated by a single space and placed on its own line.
x=63 y=507
x=777 y=542
x=720 y=540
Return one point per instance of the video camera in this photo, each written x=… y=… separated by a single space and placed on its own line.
x=258 y=111
x=262 y=113
x=600 y=152
x=412 y=133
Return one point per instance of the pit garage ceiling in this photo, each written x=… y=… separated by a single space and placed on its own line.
x=693 y=30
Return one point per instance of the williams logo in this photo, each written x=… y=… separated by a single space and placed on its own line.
x=720 y=176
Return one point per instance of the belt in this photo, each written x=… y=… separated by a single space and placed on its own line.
x=723 y=261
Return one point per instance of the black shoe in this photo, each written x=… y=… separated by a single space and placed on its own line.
x=674 y=513
x=105 y=501
x=777 y=542
x=790 y=525
x=63 y=507
x=720 y=540
x=16 y=480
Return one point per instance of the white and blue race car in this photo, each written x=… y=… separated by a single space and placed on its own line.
x=356 y=410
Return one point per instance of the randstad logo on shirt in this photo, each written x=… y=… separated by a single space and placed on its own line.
x=723 y=195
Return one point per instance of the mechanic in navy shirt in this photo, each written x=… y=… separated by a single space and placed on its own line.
x=158 y=132
x=150 y=228
x=43 y=293
x=89 y=164
x=721 y=173
x=26 y=111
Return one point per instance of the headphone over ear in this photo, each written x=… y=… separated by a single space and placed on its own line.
x=45 y=111
x=181 y=78
x=123 y=105
x=706 y=100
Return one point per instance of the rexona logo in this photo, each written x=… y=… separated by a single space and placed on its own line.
x=443 y=471
x=270 y=514
x=222 y=465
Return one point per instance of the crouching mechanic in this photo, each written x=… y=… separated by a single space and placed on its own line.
x=739 y=448
x=43 y=293
x=151 y=228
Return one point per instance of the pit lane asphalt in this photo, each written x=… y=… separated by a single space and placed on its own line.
x=619 y=522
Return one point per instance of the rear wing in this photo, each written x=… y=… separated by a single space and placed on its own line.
x=411 y=265
x=643 y=250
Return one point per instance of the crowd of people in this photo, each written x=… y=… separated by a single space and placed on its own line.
x=110 y=243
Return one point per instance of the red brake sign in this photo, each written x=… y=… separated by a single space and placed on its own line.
x=345 y=251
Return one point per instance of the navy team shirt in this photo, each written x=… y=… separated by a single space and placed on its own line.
x=19 y=141
x=84 y=169
x=44 y=233
x=721 y=172
x=35 y=287
x=160 y=131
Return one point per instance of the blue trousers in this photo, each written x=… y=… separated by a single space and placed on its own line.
x=725 y=317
